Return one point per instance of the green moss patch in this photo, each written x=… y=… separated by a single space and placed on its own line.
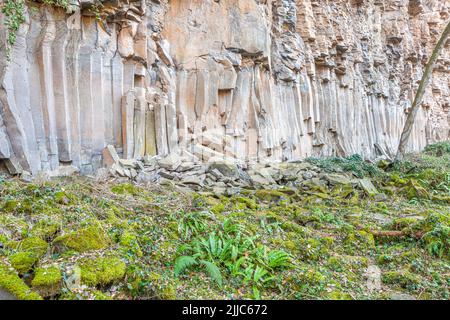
x=47 y=280
x=91 y=238
x=101 y=271
x=11 y=283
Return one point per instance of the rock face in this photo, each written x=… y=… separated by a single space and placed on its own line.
x=250 y=79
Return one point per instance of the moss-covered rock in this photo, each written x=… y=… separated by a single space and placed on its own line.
x=46 y=228
x=344 y=263
x=358 y=241
x=11 y=283
x=314 y=249
x=101 y=271
x=337 y=295
x=82 y=240
x=47 y=280
x=403 y=278
x=413 y=189
x=270 y=195
x=23 y=261
x=247 y=202
x=35 y=245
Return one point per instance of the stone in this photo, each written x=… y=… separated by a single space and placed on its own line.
x=204 y=153
x=116 y=169
x=13 y=166
x=252 y=80
x=368 y=187
x=64 y=171
x=337 y=179
x=5 y=153
x=129 y=163
x=381 y=218
x=144 y=177
x=110 y=156
x=218 y=191
x=5 y=295
x=171 y=162
x=26 y=176
x=216 y=174
x=402 y=296
x=259 y=180
x=196 y=180
x=373 y=274
x=186 y=166
x=164 y=52
x=226 y=167
x=102 y=175
x=167 y=175
x=73 y=279
x=307 y=175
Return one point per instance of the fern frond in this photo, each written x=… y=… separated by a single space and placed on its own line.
x=213 y=271
x=182 y=263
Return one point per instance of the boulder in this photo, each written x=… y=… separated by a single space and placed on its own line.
x=368 y=187
x=171 y=162
x=225 y=166
x=337 y=179
x=110 y=156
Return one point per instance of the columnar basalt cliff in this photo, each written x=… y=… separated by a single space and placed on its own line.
x=250 y=79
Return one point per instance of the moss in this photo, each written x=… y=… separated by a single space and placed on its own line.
x=60 y=197
x=313 y=277
x=23 y=261
x=126 y=189
x=270 y=195
x=45 y=229
x=10 y=206
x=98 y=295
x=163 y=289
x=169 y=292
x=290 y=245
x=11 y=283
x=313 y=249
x=218 y=208
x=338 y=295
x=414 y=190
x=384 y=259
x=129 y=241
x=358 y=241
x=35 y=245
x=403 y=278
x=402 y=223
x=91 y=238
x=249 y=203
x=101 y=271
x=47 y=280
x=342 y=263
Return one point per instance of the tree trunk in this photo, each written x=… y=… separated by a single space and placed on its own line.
x=420 y=93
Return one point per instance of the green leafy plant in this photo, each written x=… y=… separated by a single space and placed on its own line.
x=233 y=251
x=355 y=164
x=192 y=223
x=14 y=17
x=14 y=12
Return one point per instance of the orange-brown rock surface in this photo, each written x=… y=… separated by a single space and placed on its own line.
x=251 y=79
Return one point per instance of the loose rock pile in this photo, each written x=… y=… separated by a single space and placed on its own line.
x=223 y=175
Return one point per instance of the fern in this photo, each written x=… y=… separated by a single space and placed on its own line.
x=278 y=259
x=213 y=271
x=182 y=263
x=191 y=224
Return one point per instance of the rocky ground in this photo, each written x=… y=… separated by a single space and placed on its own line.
x=166 y=228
